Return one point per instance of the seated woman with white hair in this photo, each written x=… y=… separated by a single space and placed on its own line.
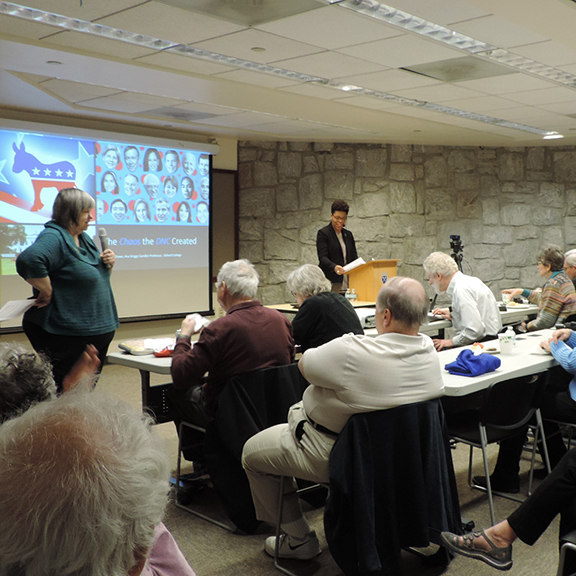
x=323 y=315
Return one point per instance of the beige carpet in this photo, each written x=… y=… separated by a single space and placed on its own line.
x=213 y=551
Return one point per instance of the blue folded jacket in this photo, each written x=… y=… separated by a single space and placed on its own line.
x=469 y=365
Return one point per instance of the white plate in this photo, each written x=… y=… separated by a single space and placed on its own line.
x=517 y=306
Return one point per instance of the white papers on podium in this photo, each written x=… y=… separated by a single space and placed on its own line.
x=14 y=309
x=354 y=264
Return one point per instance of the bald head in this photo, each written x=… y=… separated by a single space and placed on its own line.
x=406 y=301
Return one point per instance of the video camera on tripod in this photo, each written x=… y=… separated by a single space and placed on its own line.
x=457 y=250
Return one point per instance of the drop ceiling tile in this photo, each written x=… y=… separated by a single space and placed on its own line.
x=523 y=114
x=545 y=96
x=441 y=11
x=328 y=65
x=483 y=104
x=76 y=91
x=389 y=80
x=551 y=53
x=208 y=108
x=87 y=10
x=24 y=28
x=560 y=107
x=168 y=23
x=316 y=91
x=497 y=31
x=330 y=27
x=89 y=43
x=243 y=120
x=240 y=45
x=367 y=102
x=405 y=50
x=508 y=83
x=256 y=78
x=130 y=102
x=437 y=93
x=175 y=61
x=416 y=112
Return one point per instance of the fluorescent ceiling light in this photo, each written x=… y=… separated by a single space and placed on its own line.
x=411 y=23
x=380 y=11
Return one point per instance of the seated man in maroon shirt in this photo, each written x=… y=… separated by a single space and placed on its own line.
x=247 y=338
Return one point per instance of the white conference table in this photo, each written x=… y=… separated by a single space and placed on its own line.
x=510 y=316
x=527 y=358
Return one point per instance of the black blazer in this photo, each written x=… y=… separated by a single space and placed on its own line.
x=330 y=252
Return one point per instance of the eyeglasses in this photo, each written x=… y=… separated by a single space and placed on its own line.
x=339 y=219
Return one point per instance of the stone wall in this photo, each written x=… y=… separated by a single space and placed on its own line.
x=405 y=202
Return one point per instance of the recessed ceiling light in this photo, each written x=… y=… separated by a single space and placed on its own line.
x=54 y=62
x=552 y=136
x=258 y=49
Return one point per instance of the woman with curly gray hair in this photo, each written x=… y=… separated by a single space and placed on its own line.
x=323 y=315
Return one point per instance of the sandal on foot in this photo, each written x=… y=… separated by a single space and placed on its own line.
x=499 y=558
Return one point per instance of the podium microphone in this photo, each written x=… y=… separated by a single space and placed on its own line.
x=104 y=241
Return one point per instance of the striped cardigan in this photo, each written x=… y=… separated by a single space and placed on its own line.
x=556 y=301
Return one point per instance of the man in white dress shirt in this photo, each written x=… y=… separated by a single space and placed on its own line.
x=475 y=316
x=348 y=375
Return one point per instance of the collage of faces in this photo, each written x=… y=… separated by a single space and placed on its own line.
x=139 y=184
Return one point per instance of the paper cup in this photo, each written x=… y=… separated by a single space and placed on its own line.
x=506 y=343
x=505 y=297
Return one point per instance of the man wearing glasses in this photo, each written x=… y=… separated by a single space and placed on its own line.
x=336 y=247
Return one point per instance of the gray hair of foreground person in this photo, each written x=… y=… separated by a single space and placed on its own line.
x=240 y=277
x=406 y=299
x=440 y=263
x=308 y=280
x=25 y=379
x=83 y=483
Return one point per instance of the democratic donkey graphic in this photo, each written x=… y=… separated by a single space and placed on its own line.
x=58 y=175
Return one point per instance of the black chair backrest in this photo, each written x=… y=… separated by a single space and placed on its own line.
x=510 y=404
x=392 y=485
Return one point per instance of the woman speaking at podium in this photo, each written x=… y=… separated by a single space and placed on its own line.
x=336 y=247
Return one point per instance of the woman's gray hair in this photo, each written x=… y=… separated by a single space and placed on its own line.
x=440 y=263
x=25 y=379
x=308 y=280
x=83 y=483
x=551 y=255
x=240 y=277
x=68 y=206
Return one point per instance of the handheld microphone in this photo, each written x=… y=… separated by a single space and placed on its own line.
x=104 y=241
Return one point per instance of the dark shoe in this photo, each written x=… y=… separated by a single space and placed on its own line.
x=499 y=558
x=511 y=486
x=540 y=473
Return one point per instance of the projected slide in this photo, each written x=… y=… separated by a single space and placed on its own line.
x=153 y=201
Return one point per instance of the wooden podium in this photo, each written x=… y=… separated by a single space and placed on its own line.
x=367 y=279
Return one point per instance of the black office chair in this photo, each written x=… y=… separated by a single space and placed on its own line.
x=392 y=487
x=509 y=406
x=248 y=404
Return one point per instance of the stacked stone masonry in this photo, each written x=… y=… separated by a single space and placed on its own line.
x=405 y=202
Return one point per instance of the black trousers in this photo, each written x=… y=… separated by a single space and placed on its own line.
x=556 y=495
x=555 y=405
x=63 y=351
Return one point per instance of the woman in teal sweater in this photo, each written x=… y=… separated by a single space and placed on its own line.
x=71 y=281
